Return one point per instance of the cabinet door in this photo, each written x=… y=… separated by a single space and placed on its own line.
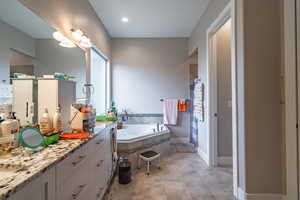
x=109 y=152
x=23 y=100
x=42 y=188
x=66 y=97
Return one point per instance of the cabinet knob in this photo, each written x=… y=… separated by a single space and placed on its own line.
x=79 y=190
x=100 y=163
x=99 y=192
x=80 y=158
x=99 y=141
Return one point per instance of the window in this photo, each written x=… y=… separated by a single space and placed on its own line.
x=100 y=79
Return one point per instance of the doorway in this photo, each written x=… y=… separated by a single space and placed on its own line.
x=223 y=114
x=193 y=77
x=222 y=107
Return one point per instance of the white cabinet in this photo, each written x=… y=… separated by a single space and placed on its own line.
x=25 y=100
x=84 y=175
x=42 y=188
x=56 y=92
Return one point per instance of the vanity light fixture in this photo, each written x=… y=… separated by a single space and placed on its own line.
x=63 y=41
x=82 y=39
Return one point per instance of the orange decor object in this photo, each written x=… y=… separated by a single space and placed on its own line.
x=46 y=132
x=182 y=105
x=67 y=136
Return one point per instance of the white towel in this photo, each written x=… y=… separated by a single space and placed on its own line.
x=170 y=111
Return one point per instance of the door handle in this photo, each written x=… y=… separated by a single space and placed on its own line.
x=216 y=115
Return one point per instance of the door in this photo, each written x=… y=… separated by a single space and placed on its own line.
x=224 y=88
x=298 y=80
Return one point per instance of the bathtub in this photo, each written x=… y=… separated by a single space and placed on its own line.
x=137 y=132
x=134 y=139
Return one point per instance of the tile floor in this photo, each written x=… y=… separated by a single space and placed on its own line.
x=183 y=176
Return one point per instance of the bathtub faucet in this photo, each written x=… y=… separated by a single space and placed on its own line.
x=158 y=125
x=125 y=116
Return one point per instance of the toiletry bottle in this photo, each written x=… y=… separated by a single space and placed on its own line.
x=57 y=120
x=45 y=122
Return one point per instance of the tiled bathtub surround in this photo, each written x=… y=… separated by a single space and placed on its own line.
x=143 y=118
x=180 y=133
x=159 y=142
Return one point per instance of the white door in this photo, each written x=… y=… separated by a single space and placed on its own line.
x=298 y=81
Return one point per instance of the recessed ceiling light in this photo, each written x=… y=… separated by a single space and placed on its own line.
x=125 y=19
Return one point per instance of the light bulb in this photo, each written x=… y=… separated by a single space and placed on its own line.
x=67 y=43
x=58 y=36
x=77 y=35
x=85 y=42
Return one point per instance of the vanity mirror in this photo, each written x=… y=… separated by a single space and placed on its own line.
x=28 y=51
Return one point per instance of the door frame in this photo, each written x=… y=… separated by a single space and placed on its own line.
x=290 y=81
x=224 y=16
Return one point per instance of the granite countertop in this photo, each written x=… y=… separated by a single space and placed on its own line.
x=30 y=164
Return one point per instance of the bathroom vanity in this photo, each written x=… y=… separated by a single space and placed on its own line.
x=70 y=169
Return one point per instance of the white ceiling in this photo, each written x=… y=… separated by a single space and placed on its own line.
x=150 y=18
x=14 y=13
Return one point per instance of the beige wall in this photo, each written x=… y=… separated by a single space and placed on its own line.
x=147 y=70
x=17 y=58
x=66 y=14
x=262 y=65
x=223 y=52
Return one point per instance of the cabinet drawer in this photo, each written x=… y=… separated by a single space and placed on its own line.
x=75 y=188
x=71 y=165
x=97 y=144
x=41 y=188
x=98 y=179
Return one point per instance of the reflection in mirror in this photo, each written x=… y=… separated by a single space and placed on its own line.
x=27 y=47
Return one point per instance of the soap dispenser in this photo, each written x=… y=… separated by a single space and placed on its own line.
x=45 y=122
x=57 y=120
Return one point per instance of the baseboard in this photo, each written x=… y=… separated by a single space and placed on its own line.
x=225 y=161
x=242 y=195
x=204 y=156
